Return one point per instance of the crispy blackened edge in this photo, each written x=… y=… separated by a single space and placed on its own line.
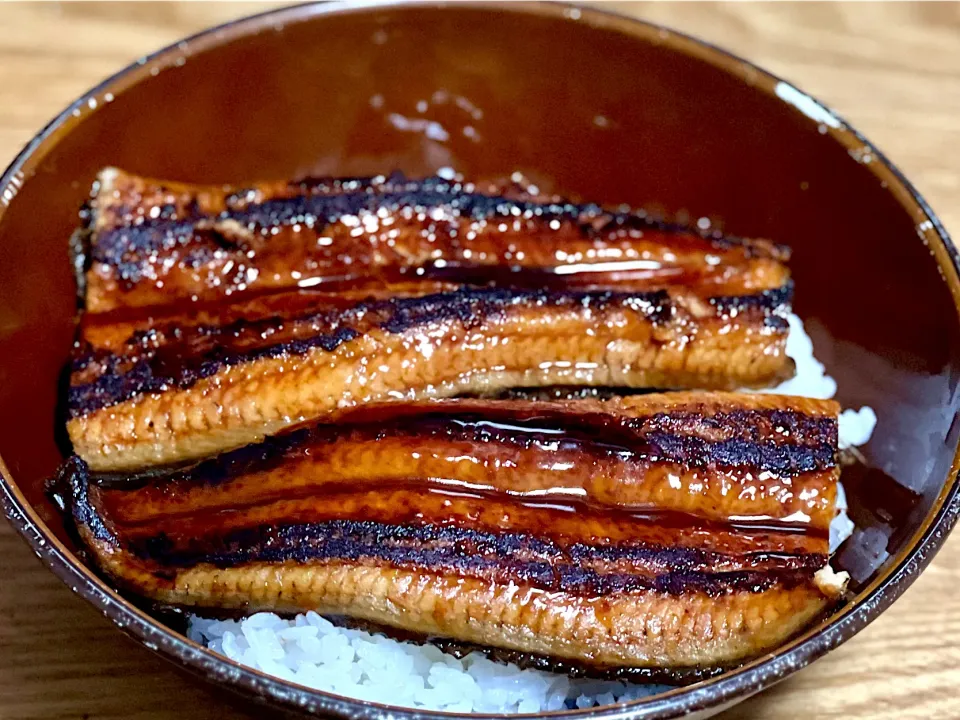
x=774 y=304
x=462 y=552
x=781 y=459
x=70 y=491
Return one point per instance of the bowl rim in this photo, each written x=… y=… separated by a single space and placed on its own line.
x=714 y=694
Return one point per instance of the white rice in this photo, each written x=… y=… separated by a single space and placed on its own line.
x=856 y=427
x=311 y=651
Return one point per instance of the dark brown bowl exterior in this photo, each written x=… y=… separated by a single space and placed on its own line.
x=583 y=102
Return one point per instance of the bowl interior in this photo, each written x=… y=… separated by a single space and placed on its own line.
x=580 y=103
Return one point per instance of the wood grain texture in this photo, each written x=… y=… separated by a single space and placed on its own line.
x=893 y=70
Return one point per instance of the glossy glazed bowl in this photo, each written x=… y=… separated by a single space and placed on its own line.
x=582 y=103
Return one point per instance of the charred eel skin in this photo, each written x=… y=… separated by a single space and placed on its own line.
x=475 y=520
x=364 y=290
x=181 y=390
x=148 y=242
x=719 y=456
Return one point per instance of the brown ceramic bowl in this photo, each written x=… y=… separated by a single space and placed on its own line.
x=583 y=102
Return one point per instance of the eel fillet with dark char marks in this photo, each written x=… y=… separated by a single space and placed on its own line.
x=149 y=242
x=418 y=289
x=670 y=531
x=182 y=390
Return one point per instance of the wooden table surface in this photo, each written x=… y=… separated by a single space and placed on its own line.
x=892 y=70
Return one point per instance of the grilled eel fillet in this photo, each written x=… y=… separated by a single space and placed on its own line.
x=661 y=531
x=185 y=388
x=149 y=243
x=403 y=309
